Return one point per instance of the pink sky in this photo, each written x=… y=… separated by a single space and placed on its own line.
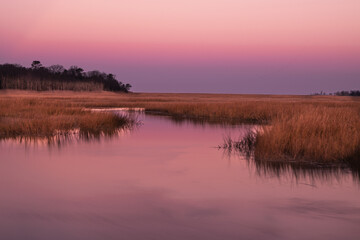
x=129 y=37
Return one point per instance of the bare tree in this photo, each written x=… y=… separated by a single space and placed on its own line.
x=56 y=69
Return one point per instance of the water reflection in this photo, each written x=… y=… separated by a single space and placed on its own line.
x=199 y=121
x=309 y=173
x=168 y=181
x=281 y=170
x=298 y=171
x=72 y=137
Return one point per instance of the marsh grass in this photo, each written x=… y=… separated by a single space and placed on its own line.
x=245 y=145
x=280 y=165
x=315 y=134
x=36 y=117
x=297 y=128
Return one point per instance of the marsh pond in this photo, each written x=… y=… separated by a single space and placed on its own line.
x=167 y=179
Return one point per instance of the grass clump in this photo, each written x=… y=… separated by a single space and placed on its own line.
x=36 y=117
x=315 y=134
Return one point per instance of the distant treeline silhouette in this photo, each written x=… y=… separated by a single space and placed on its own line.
x=56 y=77
x=348 y=93
x=340 y=93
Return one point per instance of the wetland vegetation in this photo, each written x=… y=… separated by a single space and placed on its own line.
x=38 y=117
x=294 y=128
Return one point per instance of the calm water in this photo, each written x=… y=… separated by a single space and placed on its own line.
x=166 y=180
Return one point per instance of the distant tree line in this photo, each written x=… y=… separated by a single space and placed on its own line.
x=56 y=77
x=340 y=93
x=348 y=93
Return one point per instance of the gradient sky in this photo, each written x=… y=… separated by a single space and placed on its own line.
x=227 y=46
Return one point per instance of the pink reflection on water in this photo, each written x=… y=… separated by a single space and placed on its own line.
x=164 y=181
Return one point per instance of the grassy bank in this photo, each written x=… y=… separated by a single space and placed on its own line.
x=312 y=135
x=314 y=128
x=38 y=117
x=315 y=133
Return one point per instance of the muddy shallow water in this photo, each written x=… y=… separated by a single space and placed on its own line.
x=167 y=180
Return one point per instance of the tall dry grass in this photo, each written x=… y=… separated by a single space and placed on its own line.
x=36 y=117
x=316 y=133
x=317 y=128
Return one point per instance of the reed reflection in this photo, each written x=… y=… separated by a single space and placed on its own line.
x=290 y=169
x=75 y=136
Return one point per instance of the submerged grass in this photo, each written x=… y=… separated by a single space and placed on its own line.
x=311 y=128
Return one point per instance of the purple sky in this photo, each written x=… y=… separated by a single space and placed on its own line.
x=228 y=46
